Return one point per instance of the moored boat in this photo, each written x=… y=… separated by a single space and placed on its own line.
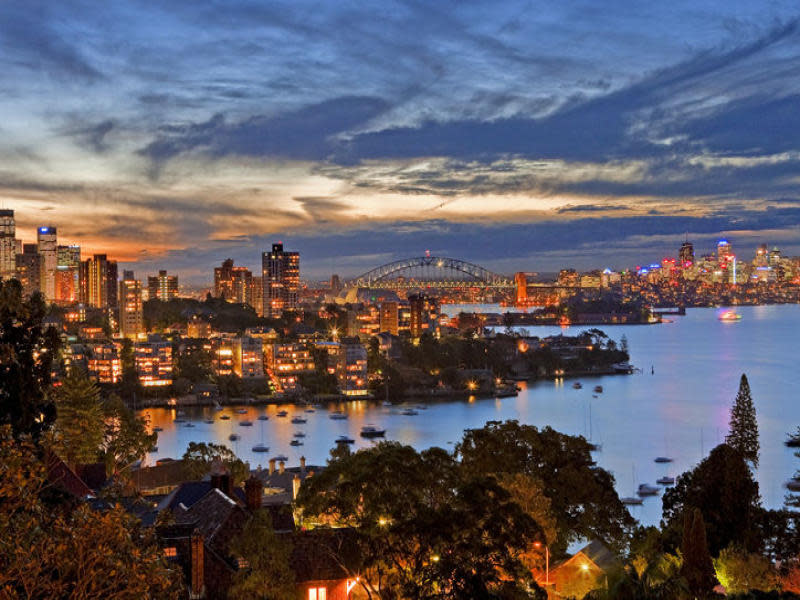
x=297 y=420
x=343 y=439
x=337 y=415
x=730 y=315
x=645 y=489
x=662 y=459
x=246 y=423
x=370 y=431
x=234 y=437
x=577 y=385
x=666 y=480
x=260 y=448
x=631 y=501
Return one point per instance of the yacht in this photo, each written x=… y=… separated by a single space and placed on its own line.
x=241 y=411
x=577 y=385
x=234 y=437
x=598 y=389
x=282 y=413
x=663 y=459
x=295 y=443
x=225 y=417
x=370 y=431
x=189 y=424
x=387 y=404
x=280 y=458
x=730 y=315
x=263 y=418
x=337 y=416
x=260 y=448
x=246 y=423
x=299 y=434
x=409 y=412
x=666 y=480
x=631 y=501
x=310 y=410
x=343 y=439
x=793 y=441
x=645 y=489
x=298 y=420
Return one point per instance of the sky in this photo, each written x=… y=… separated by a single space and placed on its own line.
x=519 y=135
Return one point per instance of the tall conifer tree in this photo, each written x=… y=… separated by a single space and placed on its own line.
x=743 y=434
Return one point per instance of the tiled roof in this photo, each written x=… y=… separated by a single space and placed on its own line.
x=218 y=517
x=60 y=475
x=316 y=554
x=166 y=475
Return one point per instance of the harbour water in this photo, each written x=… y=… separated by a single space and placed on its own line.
x=679 y=408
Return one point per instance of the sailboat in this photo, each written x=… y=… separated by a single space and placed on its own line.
x=261 y=446
x=593 y=446
x=632 y=500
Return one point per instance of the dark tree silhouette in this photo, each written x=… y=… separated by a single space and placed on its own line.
x=698 y=568
x=743 y=435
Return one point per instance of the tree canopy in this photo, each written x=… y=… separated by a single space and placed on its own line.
x=199 y=455
x=743 y=434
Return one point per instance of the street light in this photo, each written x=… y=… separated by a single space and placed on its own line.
x=546 y=561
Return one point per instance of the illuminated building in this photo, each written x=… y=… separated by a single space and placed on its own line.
x=281 y=280
x=257 y=296
x=267 y=335
x=232 y=283
x=68 y=274
x=98 y=282
x=416 y=318
x=686 y=254
x=351 y=368
x=222 y=356
x=568 y=278
x=48 y=250
x=521 y=284
x=335 y=284
x=131 y=316
x=774 y=257
x=286 y=362
x=592 y=279
x=162 y=287
x=153 y=361
x=103 y=362
x=29 y=269
x=389 y=317
x=198 y=328
x=248 y=357
x=724 y=252
x=8 y=244
x=762 y=256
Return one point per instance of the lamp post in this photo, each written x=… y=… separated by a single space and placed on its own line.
x=546 y=561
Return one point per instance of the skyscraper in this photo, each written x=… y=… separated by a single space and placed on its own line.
x=281 y=278
x=686 y=254
x=724 y=252
x=416 y=303
x=67 y=274
x=131 y=317
x=98 y=282
x=29 y=269
x=48 y=250
x=162 y=287
x=233 y=283
x=8 y=244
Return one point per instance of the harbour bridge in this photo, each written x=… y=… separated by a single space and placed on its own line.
x=430 y=272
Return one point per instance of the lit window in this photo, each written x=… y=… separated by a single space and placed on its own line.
x=171 y=552
x=318 y=593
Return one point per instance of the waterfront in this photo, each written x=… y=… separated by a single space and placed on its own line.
x=681 y=410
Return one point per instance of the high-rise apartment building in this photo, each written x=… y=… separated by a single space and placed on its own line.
x=29 y=269
x=233 y=283
x=416 y=305
x=98 y=282
x=389 y=317
x=281 y=279
x=724 y=252
x=67 y=274
x=8 y=244
x=131 y=317
x=48 y=250
x=162 y=287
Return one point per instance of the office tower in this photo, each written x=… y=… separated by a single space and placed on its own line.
x=67 y=274
x=131 y=318
x=234 y=284
x=724 y=252
x=389 y=317
x=761 y=256
x=774 y=257
x=162 y=287
x=29 y=269
x=8 y=244
x=281 y=277
x=416 y=303
x=686 y=254
x=336 y=284
x=98 y=282
x=48 y=249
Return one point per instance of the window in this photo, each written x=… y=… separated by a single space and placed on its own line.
x=318 y=593
x=171 y=552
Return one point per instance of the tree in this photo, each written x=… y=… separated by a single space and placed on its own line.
x=743 y=434
x=27 y=351
x=79 y=427
x=697 y=569
x=424 y=527
x=125 y=437
x=741 y=572
x=582 y=495
x=129 y=384
x=268 y=575
x=50 y=552
x=199 y=455
x=723 y=489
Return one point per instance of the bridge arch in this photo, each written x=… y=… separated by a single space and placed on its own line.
x=461 y=272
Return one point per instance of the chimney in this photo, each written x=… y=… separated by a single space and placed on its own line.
x=223 y=482
x=295 y=486
x=271 y=466
x=252 y=493
x=281 y=467
x=197 y=587
x=302 y=463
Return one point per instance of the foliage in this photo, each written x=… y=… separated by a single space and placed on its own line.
x=194 y=364
x=49 y=552
x=780 y=532
x=27 y=352
x=424 y=526
x=125 y=438
x=268 y=575
x=658 y=578
x=199 y=455
x=743 y=435
x=697 y=568
x=581 y=494
x=129 y=384
x=79 y=427
x=741 y=572
x=723 y=489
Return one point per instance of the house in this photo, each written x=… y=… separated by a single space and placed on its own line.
x=584 y=571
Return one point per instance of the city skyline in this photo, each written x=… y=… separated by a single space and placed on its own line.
x=510 y=136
